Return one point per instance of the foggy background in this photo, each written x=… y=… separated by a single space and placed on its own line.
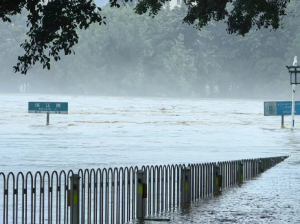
x=137 y=55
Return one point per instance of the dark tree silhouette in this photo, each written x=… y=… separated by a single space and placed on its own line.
x=53 y=23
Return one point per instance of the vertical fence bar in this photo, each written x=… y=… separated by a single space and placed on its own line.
x=162 y=188
x=166 y=187
x=217 y=180
x=158 y=189
x=240 y=172
x=211 y=167
x=193 y=181
x=149 y=189
x=118 y=195
x=123 y=195
x=128 y=193
x=174 y=185
x=75 y=198
x=197 y=187
x=230 y=174
x=170 y=187
x=260 y=167
x=134 y=188
x=206 y=184
x=139 y=196
x=106 y=187
x=155 y=170
x=185 y=186
x=201 y=180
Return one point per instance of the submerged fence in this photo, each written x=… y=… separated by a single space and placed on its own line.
x=117 y=195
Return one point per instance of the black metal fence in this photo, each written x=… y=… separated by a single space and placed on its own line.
x=117 y=195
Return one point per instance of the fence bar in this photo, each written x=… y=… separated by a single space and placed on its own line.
x=217 y=180
x=141 y=194
x=74 y=198
x=260 y=167
x=185 y=186
x=240 y=173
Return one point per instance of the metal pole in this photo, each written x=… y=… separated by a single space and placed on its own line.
x=241 y=175
x=145 y=194
x=141 y=195
x=272 y=162
x=282 y=120
x=47 y=118
x=185 y=186
x=293 y=104
x=217 y=180
x=74 y=199
x=260 y=167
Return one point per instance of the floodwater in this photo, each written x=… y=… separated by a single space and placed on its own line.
x=116 y=132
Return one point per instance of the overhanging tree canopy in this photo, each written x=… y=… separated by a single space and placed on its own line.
x=53 y=25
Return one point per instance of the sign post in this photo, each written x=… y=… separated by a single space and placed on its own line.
x=48 y=107
x=47 y=119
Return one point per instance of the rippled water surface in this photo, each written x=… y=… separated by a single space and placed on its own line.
x=115 y=132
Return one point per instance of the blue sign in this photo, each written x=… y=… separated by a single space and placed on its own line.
x=278 y=108
x=48 y=107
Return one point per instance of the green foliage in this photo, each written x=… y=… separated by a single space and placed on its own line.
x=52 y=27
x=161 y=56
x=240 y=15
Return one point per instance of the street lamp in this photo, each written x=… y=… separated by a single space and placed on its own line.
x=295 y=79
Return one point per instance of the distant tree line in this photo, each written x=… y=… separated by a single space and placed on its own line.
x=52 y=26
x=161 y=56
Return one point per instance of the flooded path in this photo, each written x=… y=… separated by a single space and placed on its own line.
x=272 y=197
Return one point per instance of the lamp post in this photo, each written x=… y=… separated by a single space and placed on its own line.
x=295 y=79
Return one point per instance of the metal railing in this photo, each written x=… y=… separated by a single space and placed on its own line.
x=117 y=195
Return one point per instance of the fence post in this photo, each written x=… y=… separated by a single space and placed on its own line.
x=217 y=180
x=74 y=199
x=272 y=162
x=185 y=186
x=254 y=173
x=260 y=167
x=141 y=194
x=241 y=174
